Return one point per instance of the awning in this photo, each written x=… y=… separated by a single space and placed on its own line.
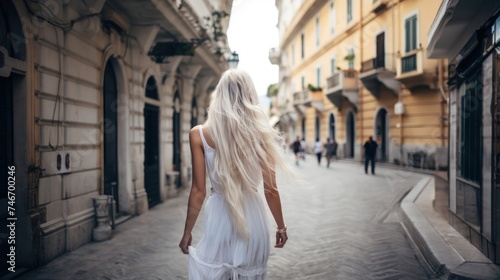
x=455 y=23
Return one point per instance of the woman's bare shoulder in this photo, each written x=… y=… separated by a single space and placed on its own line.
x=194 y=134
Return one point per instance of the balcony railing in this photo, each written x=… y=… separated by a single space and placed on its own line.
x=410 y=70
x=345 y=78
x=333 y=81
x=274 y=56
x=409 y=63
x=301 y=97
x=374 y=63
x=306 y=98
x=341 y=85
x=377 y=71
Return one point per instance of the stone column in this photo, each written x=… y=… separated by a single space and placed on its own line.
x=189 y=75
x=167 y=91
x=202 y=94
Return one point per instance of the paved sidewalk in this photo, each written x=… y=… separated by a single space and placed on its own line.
x=447 y=253
x=444 y=251
x=342 y=224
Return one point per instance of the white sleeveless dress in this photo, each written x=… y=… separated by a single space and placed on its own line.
x=221 y=253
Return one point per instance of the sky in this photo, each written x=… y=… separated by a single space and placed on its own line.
x=251 y=33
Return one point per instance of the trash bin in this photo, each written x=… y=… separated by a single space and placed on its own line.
x=103 y=230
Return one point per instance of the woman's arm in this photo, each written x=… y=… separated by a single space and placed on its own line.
x=273 y=200
x=198 y=188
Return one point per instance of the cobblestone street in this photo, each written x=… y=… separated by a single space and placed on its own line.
x=342 y=224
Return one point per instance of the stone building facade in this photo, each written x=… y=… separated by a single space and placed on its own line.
x=100 y=97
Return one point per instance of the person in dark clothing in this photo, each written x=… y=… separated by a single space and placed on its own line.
x=296 y=145
x=370 y=152
x=329 y=151
x=335 y=146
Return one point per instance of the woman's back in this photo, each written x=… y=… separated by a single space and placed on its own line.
x=238 y=149
x=210 y=161
x=222 y=253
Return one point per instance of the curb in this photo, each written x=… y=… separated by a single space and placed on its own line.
x=439 y=257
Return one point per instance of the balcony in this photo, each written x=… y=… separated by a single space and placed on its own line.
x=284 y=73
x=410 y=70
x=341 y=86
x=379 y=6
x=274 y=56
x=307 y=98
x=374 y=74
x=288 y=115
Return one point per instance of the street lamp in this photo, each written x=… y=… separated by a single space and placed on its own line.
x=233 y=60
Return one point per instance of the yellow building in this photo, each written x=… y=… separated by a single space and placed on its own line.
x=350 y=69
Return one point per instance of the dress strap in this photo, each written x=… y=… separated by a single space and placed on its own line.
x=203 y=138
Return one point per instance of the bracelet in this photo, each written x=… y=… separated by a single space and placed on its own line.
x=281 y=230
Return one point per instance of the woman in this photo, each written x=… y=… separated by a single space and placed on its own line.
x=239 y=149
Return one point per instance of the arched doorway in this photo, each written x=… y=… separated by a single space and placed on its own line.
x=177 y=137
x=331 y=127
x=350 y=135
x=16 y=133
x=317 y=128
x=6 y=134
x=110 y=132
x=194 y=113
x=152 y=143
x=303 y=129
x=381 y=133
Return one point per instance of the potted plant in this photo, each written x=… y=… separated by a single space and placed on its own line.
x=310 y=87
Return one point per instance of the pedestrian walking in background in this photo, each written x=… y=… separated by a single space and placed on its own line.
x=303 y=149
x=239 y=150
x=329 y=151
x=370 y=153
x=318 y=150
x=296 y=147
x=335 y=147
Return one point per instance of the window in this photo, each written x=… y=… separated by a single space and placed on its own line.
x=302 y=44
x=318 y=76
x=470 y=125
x=293 y=54
x=349 y=11
x=332 y=18
x=303 y=82
x=317 y=31
x=350 y=61
x=332 y=65
x=411 y=33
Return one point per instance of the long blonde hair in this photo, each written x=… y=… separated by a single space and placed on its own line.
x=245 y=142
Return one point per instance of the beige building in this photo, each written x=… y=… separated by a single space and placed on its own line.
x=353 y=69
x=100 y=96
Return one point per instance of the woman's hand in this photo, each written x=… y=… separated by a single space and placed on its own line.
x=185 y=243
x=281 y=239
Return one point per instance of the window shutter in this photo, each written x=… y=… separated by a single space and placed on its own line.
x=407 y=35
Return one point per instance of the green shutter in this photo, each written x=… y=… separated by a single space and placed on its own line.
x=414 y=32
x=411 y=34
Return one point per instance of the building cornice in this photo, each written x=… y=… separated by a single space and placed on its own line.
x=336 y=40
x=305 y=13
